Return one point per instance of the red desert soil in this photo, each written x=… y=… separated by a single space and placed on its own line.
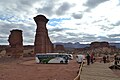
x=28 y=70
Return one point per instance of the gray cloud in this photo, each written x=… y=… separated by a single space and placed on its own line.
x=63 y=8
x=65 y=39
x=119 y=2
x=116 y=24
x=16 y=14
x=28 y=3
x=28 y=40
x=102 y=38
x=58 y=37
x=46 y=10
x=56 y=30
x=86 y=34
x=72 y=39
x=5 y=31
x=5 y=28
x=97 y=21
x=15 y=11
x=3 y=41
x=72 y=34
x=114 y=39
x=47 y=7
x=92 y=38
x=80 y=37
x=93 y=3
x=106 y=28
x=2 y=36
x=110 y=38
x=88 y=37
x=113 y=35
x=17 y=5
x=77 y=15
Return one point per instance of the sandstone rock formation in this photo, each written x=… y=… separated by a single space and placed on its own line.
x=59 y=48
x=42 y=41
x=99 y=44
x=16 y=44
x=98 y=48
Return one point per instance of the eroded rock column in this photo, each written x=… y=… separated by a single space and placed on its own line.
x=16 y=44
x=42 y=41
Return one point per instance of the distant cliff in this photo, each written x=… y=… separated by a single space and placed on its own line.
x=66 y=45
x=115 y=44
x=72 y=45
x=78 y=45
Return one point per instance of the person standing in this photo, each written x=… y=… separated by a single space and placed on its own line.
x=92 y=58
x=108 y=58
x=116 y=60
x=104 y=59
x=88 y=59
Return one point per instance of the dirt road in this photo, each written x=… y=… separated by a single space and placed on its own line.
x=29 y=70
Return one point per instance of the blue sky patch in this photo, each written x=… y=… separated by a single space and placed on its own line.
x=55 y=21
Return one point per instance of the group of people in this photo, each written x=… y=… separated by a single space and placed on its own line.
x=105 y=59
x=89 y=58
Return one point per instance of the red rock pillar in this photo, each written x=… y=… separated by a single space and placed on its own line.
x=16 y=44
x=41 y=38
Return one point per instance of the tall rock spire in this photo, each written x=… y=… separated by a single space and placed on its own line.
x=42 y=41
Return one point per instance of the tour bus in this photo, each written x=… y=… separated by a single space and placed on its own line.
x=52 y=58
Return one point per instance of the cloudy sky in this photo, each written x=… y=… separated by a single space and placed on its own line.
x=81 y=21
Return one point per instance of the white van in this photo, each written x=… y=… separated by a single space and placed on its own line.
x=80 y=58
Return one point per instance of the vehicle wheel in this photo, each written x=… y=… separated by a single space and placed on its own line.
x=61 y=61
x=66 y=62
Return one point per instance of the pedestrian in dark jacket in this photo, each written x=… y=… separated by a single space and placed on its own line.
x=104 y=59
x=88 y=59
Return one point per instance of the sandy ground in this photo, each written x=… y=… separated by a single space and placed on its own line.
x=27 y=69
x=116 y=72
x=98 y=71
